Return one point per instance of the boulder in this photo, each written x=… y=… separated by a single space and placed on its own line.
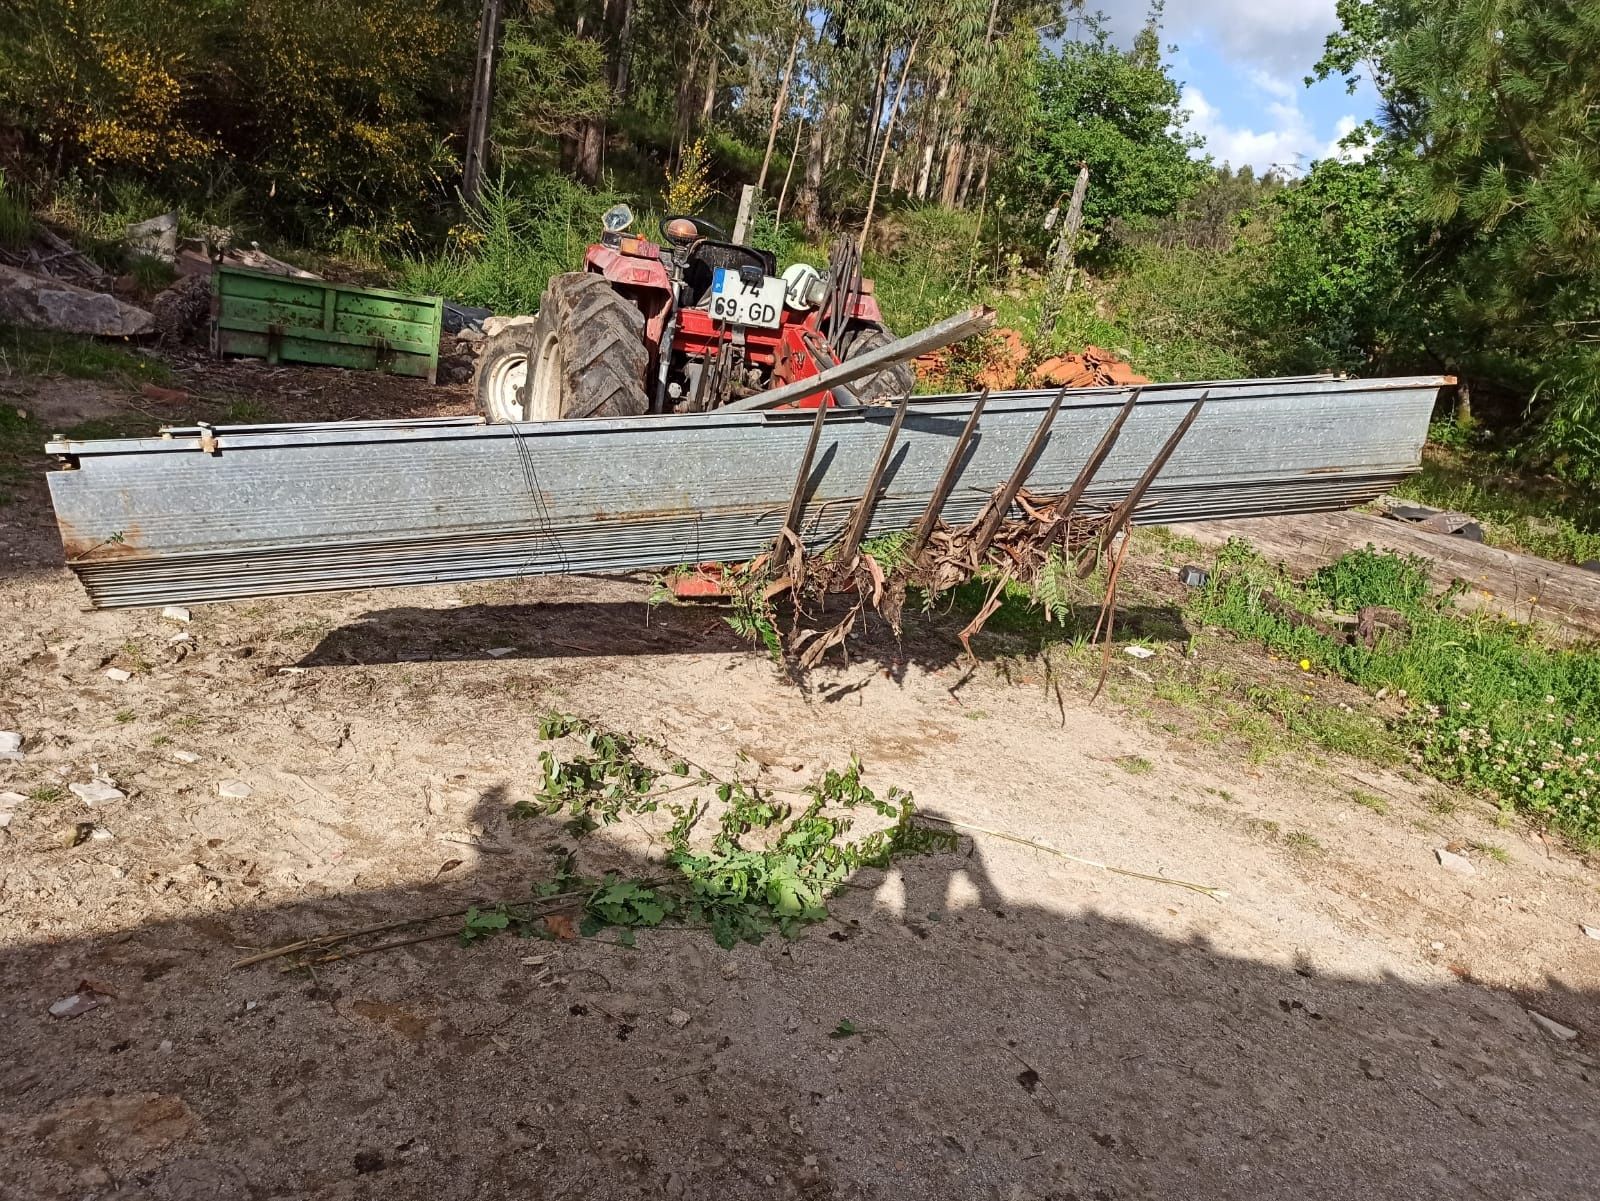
x=45 y=303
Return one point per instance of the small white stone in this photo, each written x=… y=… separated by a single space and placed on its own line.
x=175 y=613
x=236 y=789
x=119 y=872
x=96 y=792
x=678 y=1018
x=1552 y=1027
x=10 y=800
x=1591 y=931
x=1139 y=652
x=101 y=834
x=1451 y=862
x=117 y=675
x=10 y=745
x=500 y=652
x=165 y=1047
x=1436 y=945
x=180 y=637
x=186 y=756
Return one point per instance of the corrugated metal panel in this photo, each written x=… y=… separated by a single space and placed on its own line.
x=291 y=319
x=283 y=509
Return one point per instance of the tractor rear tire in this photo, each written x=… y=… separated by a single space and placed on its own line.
x=584 y=355
x=886 y=386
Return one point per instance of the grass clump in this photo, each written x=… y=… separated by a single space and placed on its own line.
x=16 y=219
x=518 y=237
x=1487 y=704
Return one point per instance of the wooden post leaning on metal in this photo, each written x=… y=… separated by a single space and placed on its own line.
x=788 y=538
x=1000 y=503
x=1120 y=516
x=947 y=481
x=856 y=530
x=1102 y=451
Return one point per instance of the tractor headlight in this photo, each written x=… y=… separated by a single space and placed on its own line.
x=681 y=229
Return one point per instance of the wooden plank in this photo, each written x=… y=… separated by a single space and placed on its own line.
x=1522 y=587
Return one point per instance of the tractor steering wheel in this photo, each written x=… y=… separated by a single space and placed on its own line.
x=702 y=228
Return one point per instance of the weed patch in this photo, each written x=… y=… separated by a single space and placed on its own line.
x=1487 y=704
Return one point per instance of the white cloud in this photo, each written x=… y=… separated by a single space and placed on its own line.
x=1286 y=142
x=1343 y=126
x=1284 y=36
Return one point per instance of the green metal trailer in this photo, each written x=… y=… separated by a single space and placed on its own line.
x=289 y=319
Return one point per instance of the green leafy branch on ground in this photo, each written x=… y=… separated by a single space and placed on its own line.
x=1485 y=703
x=741 y=862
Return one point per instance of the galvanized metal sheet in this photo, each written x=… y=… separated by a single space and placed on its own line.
x=298 y=508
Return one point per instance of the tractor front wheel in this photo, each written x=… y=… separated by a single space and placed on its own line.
x=582 y=356
x=885 y=386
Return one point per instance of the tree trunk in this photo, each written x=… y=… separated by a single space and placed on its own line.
x=476 y=162
x=1060 y=281
x=684 y=117
x=808 y=202
x=777 y=110
x=953 y=167
x=875 y=116
x=789 y=173
x=616 y=18
x=929 y=134
x=888 y=136
x=619 y=86
x=708 y=103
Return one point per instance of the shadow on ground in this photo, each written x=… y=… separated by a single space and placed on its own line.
x=1001 y=1051
x=564 y=629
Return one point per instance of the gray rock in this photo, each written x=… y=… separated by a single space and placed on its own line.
x=493 y=325
x=44 y=303
x=96 y=792
x=236 y=789
x=1552 y=1027
x=10 y=745
x=156 y=238
x=1451 y=862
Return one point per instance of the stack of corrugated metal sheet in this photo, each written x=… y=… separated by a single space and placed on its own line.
x=206 y=515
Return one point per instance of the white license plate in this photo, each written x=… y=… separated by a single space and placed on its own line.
x=739 y=303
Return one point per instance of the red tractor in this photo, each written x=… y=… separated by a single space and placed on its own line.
x=681 y=326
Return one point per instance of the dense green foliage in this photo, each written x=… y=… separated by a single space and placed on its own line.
x=1118 y=114
x=1491 y=135
x=1486 y=703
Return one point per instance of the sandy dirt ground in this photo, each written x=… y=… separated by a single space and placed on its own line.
x=1352 y=1021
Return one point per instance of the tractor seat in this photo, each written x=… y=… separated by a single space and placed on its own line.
x=708 y=255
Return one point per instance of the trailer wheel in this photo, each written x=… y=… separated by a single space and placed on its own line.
x=888 y=385
x=582 y=356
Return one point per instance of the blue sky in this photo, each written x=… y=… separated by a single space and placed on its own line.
x=1243 y=65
